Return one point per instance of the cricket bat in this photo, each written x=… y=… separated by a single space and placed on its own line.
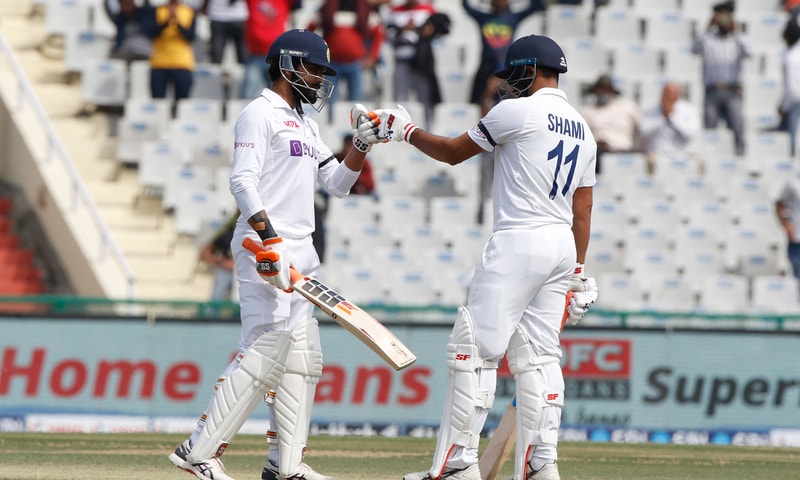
x=502 y=442
x=347 y=314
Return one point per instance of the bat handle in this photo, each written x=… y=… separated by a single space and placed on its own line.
x=256 y=248
x=570 y=294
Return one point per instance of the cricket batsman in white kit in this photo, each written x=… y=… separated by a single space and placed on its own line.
x=543 y=178
x=279 y=158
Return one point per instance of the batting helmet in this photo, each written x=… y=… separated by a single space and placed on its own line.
x=303 y=44
x=537 y=50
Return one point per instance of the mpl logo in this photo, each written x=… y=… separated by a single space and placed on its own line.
x=291 y=123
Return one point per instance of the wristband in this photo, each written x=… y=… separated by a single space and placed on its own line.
x=361 y=145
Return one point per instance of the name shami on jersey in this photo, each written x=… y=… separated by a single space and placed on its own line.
x=565 y=126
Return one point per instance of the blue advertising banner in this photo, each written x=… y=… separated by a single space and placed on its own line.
x=621 y=385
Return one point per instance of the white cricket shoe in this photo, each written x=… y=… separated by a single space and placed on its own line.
x=548 y=472
x=467 y=473
x=210 y=469
x=305 y=472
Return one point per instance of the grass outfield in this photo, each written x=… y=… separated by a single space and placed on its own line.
x=72 y=456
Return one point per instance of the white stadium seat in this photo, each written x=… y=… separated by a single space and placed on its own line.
x=775 y=294
x=724 y=293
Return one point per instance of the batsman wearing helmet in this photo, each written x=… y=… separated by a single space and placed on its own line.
x=544 y=172
x=279 y=158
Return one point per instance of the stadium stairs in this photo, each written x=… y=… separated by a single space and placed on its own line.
x=165 y=265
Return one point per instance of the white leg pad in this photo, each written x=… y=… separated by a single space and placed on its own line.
x=464 y=397
x=532 y=398
x=295 y=397
x=260 y=368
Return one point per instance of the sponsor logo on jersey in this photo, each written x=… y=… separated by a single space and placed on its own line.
x=291 y=123
x=244 y=145
x=478 y=132
x=300 y=149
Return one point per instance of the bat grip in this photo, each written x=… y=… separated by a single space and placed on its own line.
x=256 y=248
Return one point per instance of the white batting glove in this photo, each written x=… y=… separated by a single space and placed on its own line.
x=365 y=128
x=581 y=301
x=577 y=282
x=395 y=124
x=273 y=264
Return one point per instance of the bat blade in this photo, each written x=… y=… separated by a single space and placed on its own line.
x=500 y=446
x=361 y=324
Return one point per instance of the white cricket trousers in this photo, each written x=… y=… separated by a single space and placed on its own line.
x=264 y=308
x=522 y=279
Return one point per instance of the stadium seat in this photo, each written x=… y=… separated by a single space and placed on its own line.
x=564 y=21
x=764 y=28
x=185 y=178
x=211 y=154
x=752 y=251
x=156 y=158
x=699 y=262
x=131 y=135
x=448 y=212
x=208 y=81
x=361 y=284
x=669 y=169
x=649 y=6
x=683 y=190
x=666 y=28
x=724 y=293
x=466 y=240
x=352 y=209
x=401 y=210
x=619 y=291
x=717 y=142
x=201 y=110
x=604 y=254
x=617 y=26
x=82 y=46
x=617 y=164
x=632 y=189
x=588 y=52
x=652 y=236
x=454 y=118
x=103 y=82
x=689 y=237
x=775 y=294
x=669 y=293
x=139 y=79
x=708 y=214
x=635 y=61
x=655 y=212
x=362 y=239
x=410 y=287
x=762 y=95
x=188 y=134
x=388 y=184
x=763 y=144
x=611 y=216
x=193 y=208
x=643 y=261
x=416 y=237
x=63 y=17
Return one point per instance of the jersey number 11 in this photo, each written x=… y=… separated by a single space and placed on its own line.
x=571 y=158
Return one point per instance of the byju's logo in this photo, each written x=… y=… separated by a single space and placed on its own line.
x=295 y=148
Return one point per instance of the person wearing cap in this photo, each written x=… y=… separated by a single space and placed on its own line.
x=544 y=172
x=613 y=119
x=278 y=159
x=723 y=50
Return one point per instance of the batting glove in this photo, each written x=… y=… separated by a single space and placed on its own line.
x=365 y=128
x=273 y=265
x=581 y=301
x=395 y=124
x=577 y=282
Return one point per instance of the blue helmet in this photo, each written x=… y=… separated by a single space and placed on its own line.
x=303 y=44
x=536 y=50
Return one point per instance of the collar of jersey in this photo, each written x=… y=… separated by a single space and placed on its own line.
x=550 y=91
x=276 y=100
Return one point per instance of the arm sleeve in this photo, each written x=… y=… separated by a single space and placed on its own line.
x=249 y=154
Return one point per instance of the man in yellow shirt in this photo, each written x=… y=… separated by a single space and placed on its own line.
x=172 y=60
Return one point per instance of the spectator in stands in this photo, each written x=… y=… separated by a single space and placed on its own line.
x=172 y=61
x=355 y=35
x=497 y=28
x=789 y=108
x=130 y=41
x=723 y=49
x=791 y=6
x=403 y=33
x=667 y=130
x=266 y=20
x=364 y=185
x=227 y=24
x=613 y=119
x=787 y=207
x=216 y=254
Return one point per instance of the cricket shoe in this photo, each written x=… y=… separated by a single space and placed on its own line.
x=305 y=472
x=548 y=472
x=210 y=469
x=467 y=473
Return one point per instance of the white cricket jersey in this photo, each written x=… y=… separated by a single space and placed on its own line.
x=544 y=151
x=278 y=158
